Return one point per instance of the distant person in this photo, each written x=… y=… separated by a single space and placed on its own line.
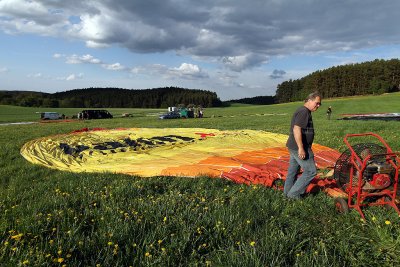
x=299 y=145
x=329 y=112
x=200 y=113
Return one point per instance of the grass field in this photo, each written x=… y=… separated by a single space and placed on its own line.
x=54 y=218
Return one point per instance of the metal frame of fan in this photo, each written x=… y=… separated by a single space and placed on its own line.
x=368 y=173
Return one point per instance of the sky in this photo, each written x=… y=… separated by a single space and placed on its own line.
x=235 y=48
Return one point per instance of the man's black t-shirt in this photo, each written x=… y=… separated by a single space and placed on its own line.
x=302 y=118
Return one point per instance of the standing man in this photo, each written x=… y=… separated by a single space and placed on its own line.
x=329 y=112
x=299 y=144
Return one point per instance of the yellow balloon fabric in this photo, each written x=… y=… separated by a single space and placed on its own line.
x=153 y=152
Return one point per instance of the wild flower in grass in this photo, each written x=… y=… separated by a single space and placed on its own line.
x=58 y=260
x=17 y=237
x=51 y=241
x=110 y=243
x=159 y=242
x=373 y=218
x=59 y=252
x=165 y=219
x=248 y=221
x=387 y=222
x=147 y=254
x=208 y=263
x=252 y=243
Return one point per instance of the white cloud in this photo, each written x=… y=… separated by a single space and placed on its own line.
x=57 y=55
x=35 y=75
x=71 y=77
x=75 y=59
x=239 y=63
x=115 y=66
x=3 y=69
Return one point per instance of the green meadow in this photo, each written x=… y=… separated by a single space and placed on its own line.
x=55 y=218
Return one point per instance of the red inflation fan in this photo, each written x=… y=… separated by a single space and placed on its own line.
x=368 y=173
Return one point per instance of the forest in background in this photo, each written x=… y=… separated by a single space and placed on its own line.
x=367 y=78
x=112 y=98
x=372 y=77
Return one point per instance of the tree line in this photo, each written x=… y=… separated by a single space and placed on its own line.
x=372 y=77
x=112 y=98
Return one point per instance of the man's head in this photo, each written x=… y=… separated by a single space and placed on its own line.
x=313 y=101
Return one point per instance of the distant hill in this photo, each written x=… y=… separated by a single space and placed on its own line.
x=113 y=98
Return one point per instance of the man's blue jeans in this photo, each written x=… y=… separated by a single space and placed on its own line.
x=294 y=188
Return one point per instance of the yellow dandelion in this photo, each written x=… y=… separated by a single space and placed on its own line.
x=60 y=260
x=17 y=237
x=25 y=262
x=252 y=243
x=59 y=252
x=163 y=249
x=387 y=222
x=248 y=221
x=165 y=219
x=109 y=243
x=147 y=254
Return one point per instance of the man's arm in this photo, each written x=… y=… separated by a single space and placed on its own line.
x=299 y=141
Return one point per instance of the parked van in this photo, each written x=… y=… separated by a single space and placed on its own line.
x=50 y=116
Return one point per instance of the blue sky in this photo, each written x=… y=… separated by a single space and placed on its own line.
x=234 y=49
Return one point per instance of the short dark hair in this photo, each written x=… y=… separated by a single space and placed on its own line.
x=312 y=96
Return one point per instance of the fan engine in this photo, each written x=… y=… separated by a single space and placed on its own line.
x=377 y=172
